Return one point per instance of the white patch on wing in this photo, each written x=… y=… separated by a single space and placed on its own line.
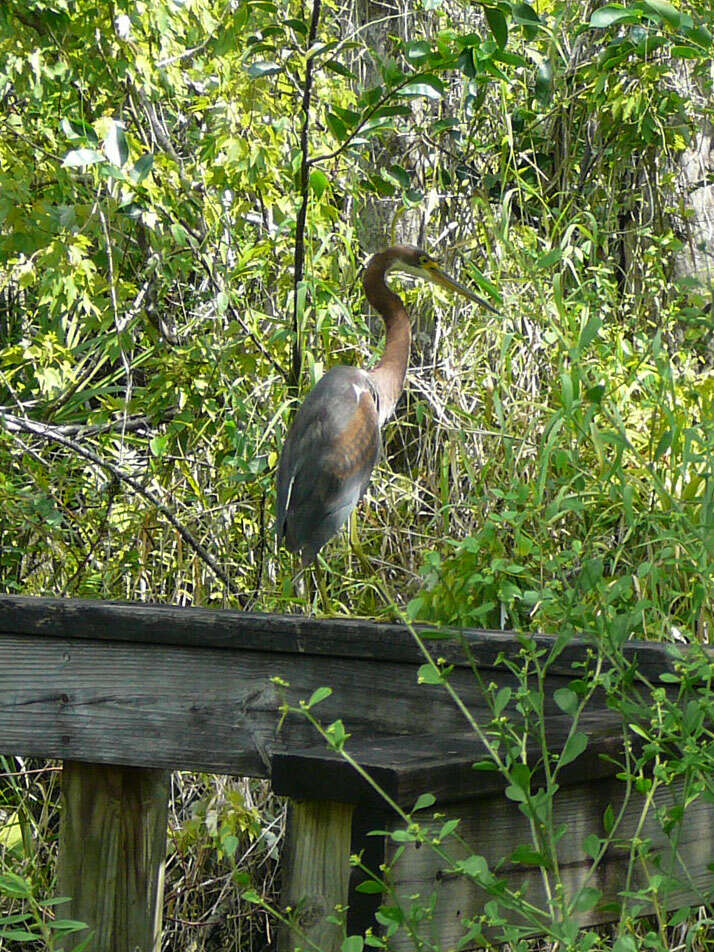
x=358 y=391
x=289 y=494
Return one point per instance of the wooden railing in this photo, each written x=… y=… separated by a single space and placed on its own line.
x=124 y=693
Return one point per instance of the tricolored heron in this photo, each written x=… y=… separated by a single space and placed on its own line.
x=334 y=441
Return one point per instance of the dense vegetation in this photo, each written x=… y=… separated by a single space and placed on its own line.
x=188 y=192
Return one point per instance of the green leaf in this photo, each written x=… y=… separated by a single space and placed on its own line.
x=501 y=701
x=318 y=182
x=179 y=233
x=336 y=126
x=19 y=935
x=590 y=574
x=591 y=845
x=680 y=916
x=298 y=25
x=587 y=899
x=13 y=920
x=662 y=9
x=428 y=85
x=81 y=158
x=142 y=167
x=319 y=695
x=348 y=116
x=415 y=90
x=78 y=129
x=700 y=35
x=497 y=24
x=429 y=674
x=416 y=51
x=613 y=13
x=158 y=445
x=353 y=943
x=525 y=15
x=69 y=925
x=544 y=83
x=665 y=441
x=625 y=943
x=425 y=801
x=262 y=68
x=589 y=332
x=336 y=67
x=116 y=148
x=475 y=866
x=448 y=828
x=370 y=887
x=687 y=52
x=13 y=885
x=336 y=735
x=83 y=944
x=550 y=258
x=527 y=856
x=574 y=747
x=403 y=836
x=566 y=700
x=669 y=678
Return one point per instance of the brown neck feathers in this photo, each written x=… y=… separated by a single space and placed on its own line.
x=388 y=375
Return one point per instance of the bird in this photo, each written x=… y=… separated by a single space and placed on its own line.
x=335 y=438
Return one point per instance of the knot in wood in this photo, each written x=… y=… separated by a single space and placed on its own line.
x=312 y=912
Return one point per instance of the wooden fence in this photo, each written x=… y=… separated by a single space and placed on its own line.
x=125 y=693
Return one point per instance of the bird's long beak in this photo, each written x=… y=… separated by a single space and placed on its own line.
x=437 y=276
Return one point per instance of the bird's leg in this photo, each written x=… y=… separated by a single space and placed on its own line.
x=357 y=545
x=300 y=583
x=318 y=575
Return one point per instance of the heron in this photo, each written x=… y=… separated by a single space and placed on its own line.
x=335 y=439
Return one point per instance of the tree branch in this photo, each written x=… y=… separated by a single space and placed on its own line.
x=13 y=423
x=299 y=268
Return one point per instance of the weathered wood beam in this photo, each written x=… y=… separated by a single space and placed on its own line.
x=291 y=634
x=112 y=854
x=315 y=873
x=494 y=826
x=189 y=708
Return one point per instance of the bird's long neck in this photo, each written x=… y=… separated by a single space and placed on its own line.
x=388 y=375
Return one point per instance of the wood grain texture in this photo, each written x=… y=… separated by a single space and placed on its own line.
x=112 y=854
x=207 y=709
x=441 y=764
x=493 y=827
x=315 y=873
x=291 y=634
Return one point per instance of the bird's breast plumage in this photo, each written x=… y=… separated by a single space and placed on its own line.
x=327 y=459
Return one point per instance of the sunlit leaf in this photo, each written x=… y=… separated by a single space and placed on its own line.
x=318 y=182
x=116 y=148
x=663 y=9
x=613 y=13
x=141 y=168
x=81 y=158
x=263 y=68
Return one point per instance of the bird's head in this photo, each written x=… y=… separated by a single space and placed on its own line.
x=422 y=265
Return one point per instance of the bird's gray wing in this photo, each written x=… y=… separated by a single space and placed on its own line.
x=327 y=460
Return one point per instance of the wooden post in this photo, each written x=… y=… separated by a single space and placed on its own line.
x=112 y=854
x=316 y=872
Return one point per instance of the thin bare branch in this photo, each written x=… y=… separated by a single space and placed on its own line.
x=13 y=424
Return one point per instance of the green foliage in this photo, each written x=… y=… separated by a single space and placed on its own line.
x=550 y=469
